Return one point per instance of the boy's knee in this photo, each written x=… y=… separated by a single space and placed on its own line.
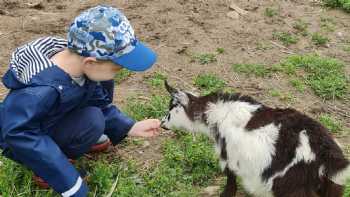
x=96 y=121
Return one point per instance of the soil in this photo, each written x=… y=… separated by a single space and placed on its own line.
x=180 y=29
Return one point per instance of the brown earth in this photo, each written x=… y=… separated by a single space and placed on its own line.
x=179 y=29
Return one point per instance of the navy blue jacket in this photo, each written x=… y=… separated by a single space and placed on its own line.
x=41 y=94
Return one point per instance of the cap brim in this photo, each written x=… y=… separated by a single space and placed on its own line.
x=139 y=59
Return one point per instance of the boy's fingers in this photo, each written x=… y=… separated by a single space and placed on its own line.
x=154 y=123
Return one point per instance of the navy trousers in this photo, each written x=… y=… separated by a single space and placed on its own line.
x=78 y=131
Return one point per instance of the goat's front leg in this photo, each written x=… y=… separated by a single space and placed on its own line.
x=231 y=185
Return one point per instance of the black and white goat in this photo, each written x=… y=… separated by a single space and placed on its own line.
x=276 y=152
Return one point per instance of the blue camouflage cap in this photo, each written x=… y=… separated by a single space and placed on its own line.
x=105 y=33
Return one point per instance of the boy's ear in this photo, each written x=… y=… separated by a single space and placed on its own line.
x=89 y=61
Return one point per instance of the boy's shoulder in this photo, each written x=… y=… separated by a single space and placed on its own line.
x=30 y=64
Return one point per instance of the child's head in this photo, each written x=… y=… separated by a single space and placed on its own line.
x=106 y=40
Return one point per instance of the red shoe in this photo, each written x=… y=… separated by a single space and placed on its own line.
x=102 y=145
x=40 y=182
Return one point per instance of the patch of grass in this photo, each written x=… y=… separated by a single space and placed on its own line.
x=229 y=90
x=319 y=39
x=157 y=79
x=287 y=67
x=15 y=180
x=344 y=4
x=194 y=155
x=220 y=50
x=346 y=49
x=188 y=164
x=347 y=189
x=275 y=93
x=205 y=58
x=101 y=177
x=286 y=38
x=104 y=174
x=270 y=12
x=301 y=26
x=122 y=75
x=263 y=46
x=298 y=84
x=154 y=107
x=209 y=83
x=328 y=24
x=255 y=69
x=326 y=76
x=286 y=97
x=330 y=123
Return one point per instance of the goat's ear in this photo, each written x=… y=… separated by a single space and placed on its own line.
x=178 y=95
x=182 y=98
x=172 y=91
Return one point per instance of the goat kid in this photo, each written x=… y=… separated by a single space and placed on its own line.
x=276 y=152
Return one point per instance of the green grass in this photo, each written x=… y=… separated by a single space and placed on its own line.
x=15 y=180
x=298 y=84
x=220 y=50
x=328 y=24
x=194 y=155
x=154 y=107
x=258 y=70
x=285 y=97
x=208 y=83
x=346 y=48
x=270 y=12
x=347 y=189
x=301 y=26
x=319 y=40
x=344 y=4
x=331 y=123
x=122 y=75
x=275 y=93
x=286 y=38
x=189 y=163
x=205 y=58
x=325 y=76
x=263 y=46
x=156 y=80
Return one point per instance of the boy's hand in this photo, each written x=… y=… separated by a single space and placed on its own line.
x=145 y=128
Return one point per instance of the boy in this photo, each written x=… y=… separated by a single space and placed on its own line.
x=59 y=104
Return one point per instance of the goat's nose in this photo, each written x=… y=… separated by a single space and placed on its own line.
x=163 y=126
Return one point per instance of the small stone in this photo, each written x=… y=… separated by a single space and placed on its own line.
x=146 y=144
x=4 y=12
x=233 y=15
x=340 y=35
x=181 y=50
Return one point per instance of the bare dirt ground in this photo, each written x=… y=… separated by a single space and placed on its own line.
x=179 y=29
